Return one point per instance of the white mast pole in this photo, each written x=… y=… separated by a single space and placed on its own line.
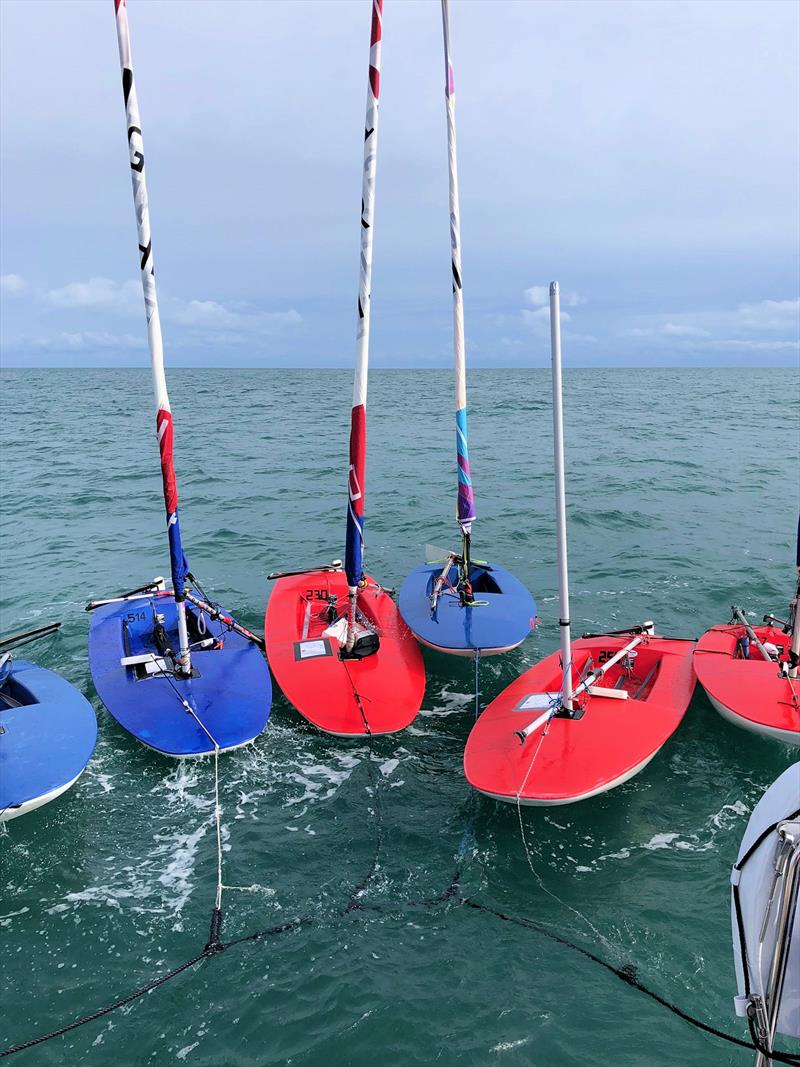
x=561 y=506
x=164 y=428
x=466 y=502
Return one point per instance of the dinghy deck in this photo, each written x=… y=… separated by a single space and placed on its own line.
x=379 y=694
x=503 y=616
x=751 y=692
x=618 y=728
x=227 y=698
x=47 y=735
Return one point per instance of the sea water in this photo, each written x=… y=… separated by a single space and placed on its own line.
x=682 y=499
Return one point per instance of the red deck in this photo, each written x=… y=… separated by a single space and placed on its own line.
x=749 y=692
x=578 y=758
x=349 y=697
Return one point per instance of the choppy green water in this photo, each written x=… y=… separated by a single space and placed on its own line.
x=682 y=492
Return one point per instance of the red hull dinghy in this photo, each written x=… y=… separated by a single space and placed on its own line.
x=613 y=730
x=587 y=718
x=749 y=672
x=336 y=642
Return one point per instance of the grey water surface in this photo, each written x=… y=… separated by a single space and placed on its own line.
x=682 y=498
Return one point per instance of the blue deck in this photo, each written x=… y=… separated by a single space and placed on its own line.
x=231 y=695
x=503 y=622
x=46 y=740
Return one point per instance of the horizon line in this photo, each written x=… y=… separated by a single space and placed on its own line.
x=145 y=367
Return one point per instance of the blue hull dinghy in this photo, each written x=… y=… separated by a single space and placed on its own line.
x=460 y=605
x=173 y=668
x=47 y=736
x=497 y=617
x=225 y=701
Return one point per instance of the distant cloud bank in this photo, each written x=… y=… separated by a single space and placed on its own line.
x=102 y=303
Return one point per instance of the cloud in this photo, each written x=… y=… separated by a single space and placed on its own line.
x=770 y=315
x=672 y=329
x=745 y=344
x=542 y=315
x=100 y=303
x=12 y=284
x=97 y=293
x=539 y=296
x=102 y=300
x=723 y=330
x=124 y=299
x=210 y=315
x=207 y=313
x=86 y=341
x=584 y=338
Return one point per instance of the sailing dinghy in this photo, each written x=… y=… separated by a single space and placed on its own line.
x=765 y=915
x=457 y=604
x=173 y=668
x=337 y=644
x=586 y=719
x=749 y=672
x=47 y=730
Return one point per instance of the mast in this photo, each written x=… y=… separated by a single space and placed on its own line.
x=164 y=427
x=354 y=549
x=466 y=503
x=561 y=506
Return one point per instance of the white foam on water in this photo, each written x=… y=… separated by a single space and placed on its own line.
x=176 y=877
x=388 y=766
x=728 y=815
x=5 y=920
x=449 y=703
x=316 y=777
x=658 y=841
x=506 y=1046
x=100 y=895
x=178 y=786
x=700 y=841
x=184 y=1052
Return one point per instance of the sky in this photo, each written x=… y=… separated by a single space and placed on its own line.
x=645 y=154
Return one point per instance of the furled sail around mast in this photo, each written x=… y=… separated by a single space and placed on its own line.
x=466 y=501
x=164 y=426
x=358 y=425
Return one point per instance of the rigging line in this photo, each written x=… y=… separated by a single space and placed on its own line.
x=477 y=684
x=601 y=937
x=360 y=706
x=217 y=809
x=218 y=823
x=355 y=901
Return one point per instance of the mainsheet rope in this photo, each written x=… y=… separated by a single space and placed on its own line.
x=214 y=946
